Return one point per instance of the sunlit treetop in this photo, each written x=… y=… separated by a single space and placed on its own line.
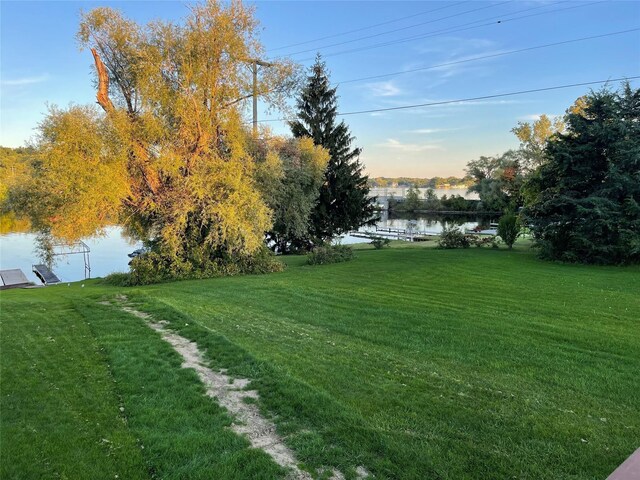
x=166 y=154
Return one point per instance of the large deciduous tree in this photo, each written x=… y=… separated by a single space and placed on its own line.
x=587 y=206
x=533 y=140
x=167 y=156
x=343 y=204
x=497 y=181
x=290 y=173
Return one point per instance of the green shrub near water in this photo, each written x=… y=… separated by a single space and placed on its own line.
x=509 y=229
x=380 y=242
x=330 y=254
x=483 y=241
x=152 y=268
x=453 y=238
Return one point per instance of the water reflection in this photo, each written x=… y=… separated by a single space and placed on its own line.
x=428 y=223
x=108 y=254
x=432 y=223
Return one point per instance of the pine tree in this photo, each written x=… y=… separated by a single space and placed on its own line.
x=586 y=203
x=343 y=204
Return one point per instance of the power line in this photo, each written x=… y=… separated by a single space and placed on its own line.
x=488 y=97
x=368 y=27
x=493 y=55
x=472 y=99
x=403 y=28
x=455 y=29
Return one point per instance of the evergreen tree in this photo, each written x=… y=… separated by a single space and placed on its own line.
x=586 y=201
x=343 y=204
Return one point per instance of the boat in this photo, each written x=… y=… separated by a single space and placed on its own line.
x=137 y=253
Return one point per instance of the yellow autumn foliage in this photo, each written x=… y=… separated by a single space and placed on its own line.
x=167 y=156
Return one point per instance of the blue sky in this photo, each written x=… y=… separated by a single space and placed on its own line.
x=41 y=63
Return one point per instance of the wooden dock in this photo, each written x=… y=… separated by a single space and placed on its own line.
x=391 y=233
x=45 y=274
x=488 y=231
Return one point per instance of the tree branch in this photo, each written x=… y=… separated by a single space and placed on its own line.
x=103 y=83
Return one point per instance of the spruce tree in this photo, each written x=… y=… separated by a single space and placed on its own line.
x=586 y=198
x=343 y=204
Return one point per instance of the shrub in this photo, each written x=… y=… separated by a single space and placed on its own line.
x=263 y=261
x=483 y=241
x=453 y=238
x=153 y=268
x=149 y=268
x=117 y=279
x=380 y=242
x=330 y=254
x=509 y=229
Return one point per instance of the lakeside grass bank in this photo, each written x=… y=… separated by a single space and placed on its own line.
x=412 y=362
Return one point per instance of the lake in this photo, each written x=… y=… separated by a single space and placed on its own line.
x=400 y=192
x=109 y=252
x=424 y=222
x=108 y=255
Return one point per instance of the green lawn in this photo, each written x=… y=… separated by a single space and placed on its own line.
x=411 y=362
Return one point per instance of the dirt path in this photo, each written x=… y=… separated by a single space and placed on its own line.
x=231 y=394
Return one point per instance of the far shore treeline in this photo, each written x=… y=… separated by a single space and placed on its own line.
x=434 y=182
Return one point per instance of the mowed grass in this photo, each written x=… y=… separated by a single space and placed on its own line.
x=414 y=363
x=59 y=408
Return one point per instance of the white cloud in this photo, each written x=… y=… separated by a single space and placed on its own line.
x=486 y=102
x=535 y=116
x=394 y=144
x=17 y=82
x=426 y=131
x=429 y=131
x=460 y=56
x=458 y=64
x=384 y=89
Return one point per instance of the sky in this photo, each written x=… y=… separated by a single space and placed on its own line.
x=41 y=64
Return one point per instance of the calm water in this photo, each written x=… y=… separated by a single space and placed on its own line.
x=109 y=253
x=430 y=223
x=440 y=192
x=424 y=223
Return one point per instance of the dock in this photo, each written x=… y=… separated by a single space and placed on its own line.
x=45 y=274
x=14 y=278
x=488 y=231
x=409 y=235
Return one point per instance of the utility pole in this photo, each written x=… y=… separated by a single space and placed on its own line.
x=254 y=67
